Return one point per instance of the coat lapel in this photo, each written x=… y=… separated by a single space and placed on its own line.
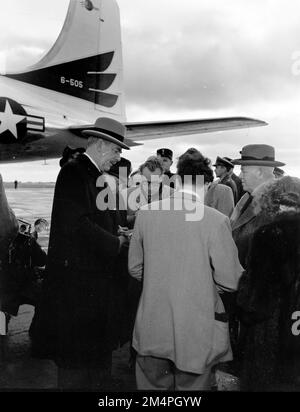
x=239 y=219
x=94 y=174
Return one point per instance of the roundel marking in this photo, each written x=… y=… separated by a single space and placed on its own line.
x=13 y=121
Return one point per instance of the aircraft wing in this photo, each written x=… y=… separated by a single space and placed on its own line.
x=142 y=131
x=157 y=130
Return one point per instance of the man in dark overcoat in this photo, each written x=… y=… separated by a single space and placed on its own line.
x=257 y=163
x=76 y=322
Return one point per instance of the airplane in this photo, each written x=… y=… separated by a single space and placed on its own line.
x=45 y=107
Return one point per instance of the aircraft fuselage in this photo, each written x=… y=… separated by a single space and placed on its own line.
x=36 y=124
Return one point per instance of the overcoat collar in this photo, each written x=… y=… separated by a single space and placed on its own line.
x=238 y=219
x=91 y=168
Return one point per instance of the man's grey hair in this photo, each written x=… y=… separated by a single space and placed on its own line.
x=92 y=140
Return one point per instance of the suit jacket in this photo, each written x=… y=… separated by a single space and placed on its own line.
x=78 y=308
x=228 y=181
x=182 y=263
x=220 y=197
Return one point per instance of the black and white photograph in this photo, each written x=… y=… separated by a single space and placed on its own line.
x=150 y=198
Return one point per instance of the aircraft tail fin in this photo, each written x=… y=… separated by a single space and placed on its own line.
x=86 y=59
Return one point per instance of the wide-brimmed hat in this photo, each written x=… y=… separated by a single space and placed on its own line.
x=107 y=129
x=257 y=155
x=223 y=162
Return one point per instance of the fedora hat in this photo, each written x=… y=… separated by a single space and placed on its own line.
x=107 y=129
x=257 y=155
x=222 y=161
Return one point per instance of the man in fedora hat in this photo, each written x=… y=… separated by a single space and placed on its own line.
x=76 y=322
x=222 y=171
x=257 y=166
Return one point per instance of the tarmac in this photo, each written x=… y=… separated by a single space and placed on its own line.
x=19 y=371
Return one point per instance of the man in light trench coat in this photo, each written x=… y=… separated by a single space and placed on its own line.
x=184 y=259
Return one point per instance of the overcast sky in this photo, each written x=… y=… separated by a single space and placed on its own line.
x=191 y=59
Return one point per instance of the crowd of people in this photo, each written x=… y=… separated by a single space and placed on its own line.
x=195 y=272
x=22 y=261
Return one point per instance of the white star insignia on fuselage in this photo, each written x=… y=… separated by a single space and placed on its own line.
x=9 y=120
